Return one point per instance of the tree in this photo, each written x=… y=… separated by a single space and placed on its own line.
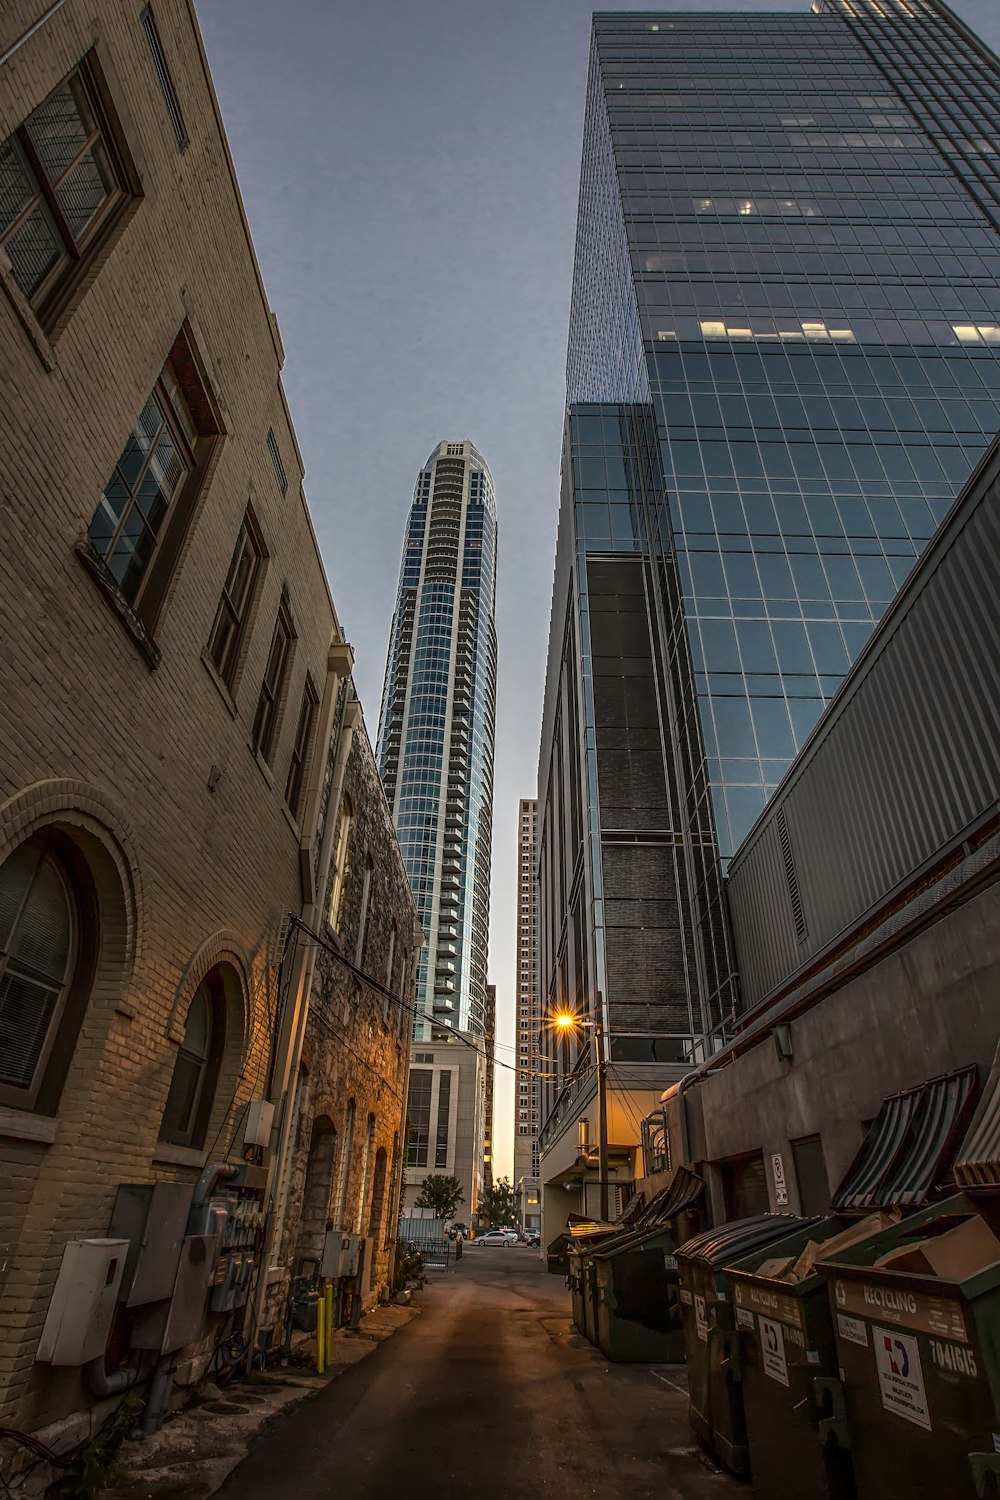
x=442 y=1194
x=499 y=1206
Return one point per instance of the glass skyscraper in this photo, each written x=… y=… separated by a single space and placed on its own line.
x=784 y=359
x=435 y=741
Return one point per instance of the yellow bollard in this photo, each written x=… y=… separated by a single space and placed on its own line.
x=320 y=1336
x=329 y=1320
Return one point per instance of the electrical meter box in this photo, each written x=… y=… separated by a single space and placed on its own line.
x=83 y=1302
x=153 y=1217
x=333 y=1254
x=351 y=1256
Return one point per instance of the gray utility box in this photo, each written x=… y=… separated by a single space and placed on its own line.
x=333 y=1254
x=83 y=1302
x=166 y=1326
x=152 y=1216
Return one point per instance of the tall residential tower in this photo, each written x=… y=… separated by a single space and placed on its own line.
x=435 y=754
x=784 y=358
x=528 y=1020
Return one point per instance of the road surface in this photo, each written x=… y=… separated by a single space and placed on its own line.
x=487 y=1392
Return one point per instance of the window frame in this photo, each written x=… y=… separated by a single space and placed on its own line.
x=194 y=1133
x=273 y=686
x=226 y=659
x=298 y=761
x=55 y=1056
x=141 y=614
x=341 y=864
x=51 y=297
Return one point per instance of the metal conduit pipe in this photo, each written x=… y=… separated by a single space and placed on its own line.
x=159 y=1394
x=101 y=1384
x=216 y=1171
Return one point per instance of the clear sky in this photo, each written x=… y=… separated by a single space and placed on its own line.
x=410 y=171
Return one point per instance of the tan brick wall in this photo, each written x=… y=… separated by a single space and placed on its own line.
x=94 y=741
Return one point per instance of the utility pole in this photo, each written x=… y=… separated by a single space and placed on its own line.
x=602 y=1108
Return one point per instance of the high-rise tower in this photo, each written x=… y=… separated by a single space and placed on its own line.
x=435 y=756
x=784 y=358
x=526 y=1083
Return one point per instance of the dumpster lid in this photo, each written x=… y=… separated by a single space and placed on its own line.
x=732 y=1241
x=909 y=1145
x=682 y=1191
x=978 y=1163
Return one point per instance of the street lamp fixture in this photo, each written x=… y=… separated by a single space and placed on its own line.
x=564 y=1022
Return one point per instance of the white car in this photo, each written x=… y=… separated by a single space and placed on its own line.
x=495 y=1237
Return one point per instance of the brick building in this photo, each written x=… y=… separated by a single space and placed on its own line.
x=183 y=765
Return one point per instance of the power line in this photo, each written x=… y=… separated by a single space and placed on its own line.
x=382 y=989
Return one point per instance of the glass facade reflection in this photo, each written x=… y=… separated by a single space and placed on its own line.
x=436 y=730
x=788 y=245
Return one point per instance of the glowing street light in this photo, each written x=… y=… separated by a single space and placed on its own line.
x=564 y=1022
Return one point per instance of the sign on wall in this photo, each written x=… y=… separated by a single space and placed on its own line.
x=780 y=1185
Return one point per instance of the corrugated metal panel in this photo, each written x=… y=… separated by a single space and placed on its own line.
x=905 y=759
x=978 y=1163
x=683 y=1191
x=909 y=1146
x=730 y=1242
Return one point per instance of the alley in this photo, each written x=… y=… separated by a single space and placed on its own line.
x=487 y=1392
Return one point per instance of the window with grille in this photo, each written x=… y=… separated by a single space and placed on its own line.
x=39 y=937
x=341 y=864
x=64 y=183
x=192 y=1087
x=163 y=78
x=265 y=723
x=279 y=468
x=233 y=613
x=300 y=749
x=136 y=532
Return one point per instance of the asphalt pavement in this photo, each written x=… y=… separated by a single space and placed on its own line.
x=487 y=1392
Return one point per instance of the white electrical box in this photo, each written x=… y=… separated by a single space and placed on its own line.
x=333 y=1253
x=83 y=1302
x=260 y=1118
x=351 y=1256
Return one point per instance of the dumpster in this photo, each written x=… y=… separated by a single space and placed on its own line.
x=711 y=1347
x=638 y=1294
x=798 y=1448
x=917 y=1327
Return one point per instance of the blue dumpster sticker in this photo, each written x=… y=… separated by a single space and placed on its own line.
x=900 y=1378
x=772 y=1348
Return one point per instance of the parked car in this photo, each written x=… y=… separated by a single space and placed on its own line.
x=495 y=1237
x=532 y=1238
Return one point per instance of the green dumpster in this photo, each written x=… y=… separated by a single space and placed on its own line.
x=574 y=1276
x=638 y=1302
x=797 y=1444
x=918 y=1344
x=716 y=1400
x=583 y=1282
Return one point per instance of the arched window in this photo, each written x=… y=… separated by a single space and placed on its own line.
x=192 y=1088
x=340 y=1214
x=341 y=864
x=44 y=982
